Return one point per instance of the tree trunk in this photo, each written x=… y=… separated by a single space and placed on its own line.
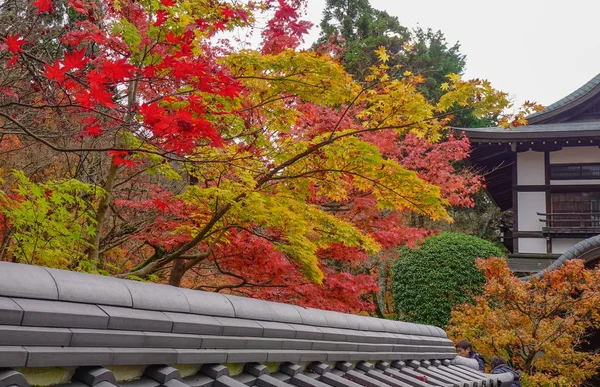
x=177 y=272
x=94 y=254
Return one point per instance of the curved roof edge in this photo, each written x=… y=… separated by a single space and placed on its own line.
x=67 y=329
x=588 y=250
x=40 y=283
x=576 y=98
x=566 y=131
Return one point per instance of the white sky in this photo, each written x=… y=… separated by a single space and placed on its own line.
x=537 y=50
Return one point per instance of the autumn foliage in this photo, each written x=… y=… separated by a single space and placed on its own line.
x=540 y=325
x=269 y=172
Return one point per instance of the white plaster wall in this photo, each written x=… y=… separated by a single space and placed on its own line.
x=574 y=182
x=560 y=245
x=529 y=204
x=532 y=245
x=578 y=154
x=530 y=168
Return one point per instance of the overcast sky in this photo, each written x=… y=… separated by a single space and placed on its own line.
x=538 y=50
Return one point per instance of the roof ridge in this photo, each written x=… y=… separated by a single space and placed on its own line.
x=575 y=95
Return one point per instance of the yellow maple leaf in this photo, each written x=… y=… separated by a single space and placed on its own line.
x=382 y=54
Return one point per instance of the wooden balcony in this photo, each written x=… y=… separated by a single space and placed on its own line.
x=570 y=224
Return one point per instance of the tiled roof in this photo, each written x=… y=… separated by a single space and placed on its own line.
x=571 y=98
x=103 y=332
x=574 y=130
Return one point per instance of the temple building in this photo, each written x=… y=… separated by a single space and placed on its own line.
x=548 y=173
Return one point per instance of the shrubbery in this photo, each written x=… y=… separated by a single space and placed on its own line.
x=441 y=273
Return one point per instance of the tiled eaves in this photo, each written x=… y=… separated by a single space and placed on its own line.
x=88 y=325
x=38 y=283
x=572 y=98
x=314 y=374
x=48 y=333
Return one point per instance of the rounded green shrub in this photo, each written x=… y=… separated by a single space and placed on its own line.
x=428 y=281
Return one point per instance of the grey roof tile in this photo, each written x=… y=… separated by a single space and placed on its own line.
x=208 y=303
x=133 y=356
x=137 y=319
x=162 y=374
x=250 y=308
x=307 y=332
x=240 y=327
x=336 y=320
x=11 y=356
x=276 y=356
x=302 y=380
x=313 y=356
x=18 y=335
x=12 y=378
x=388 y=380
x=171 y=340
x=214 y=371
x=256 y=369
x=364 y=380
x=223 y=342
x=67 y=357
x=92 y=376
x=263 y=343
x=192 y=323
x=17 y=280
x=93 y=289
x=157 y=297
x=269 y=381
x=44 y=313
x=200 y=356
x=106 y=338
x=277 y=329
x=142 y=382
x=198 y=380
x=297 y=344
x=10 y=312
x=246 y=379
x=246 y=355
x=312 y=316
x=337 y=381
x=226 y=381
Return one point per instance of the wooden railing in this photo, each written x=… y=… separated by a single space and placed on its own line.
x=579 y=223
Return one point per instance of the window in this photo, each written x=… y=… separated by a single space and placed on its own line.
x=574 y=171
x=581 y=209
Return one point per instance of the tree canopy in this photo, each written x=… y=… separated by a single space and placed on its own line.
x=160 y=152
x=540 y=325
x=431 y=279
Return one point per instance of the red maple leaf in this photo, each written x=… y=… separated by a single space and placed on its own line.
x=172 y=38
x=93 y=131
x=102 y=96
x=168 y=3
x=118 y=70
x=12 y=61
x=84 y=99
x=77 y=6
x=54 y=72
x=227 y=12
x=43 y=6
x=14 y=43
x=119 y=158
x=162 y=206
x=75 y=60
x=161 y=17
x=285 y=11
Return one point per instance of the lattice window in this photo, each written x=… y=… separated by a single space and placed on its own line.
x=574 y=171
x=581 y=209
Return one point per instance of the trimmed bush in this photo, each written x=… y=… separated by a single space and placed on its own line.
x=427 y=282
